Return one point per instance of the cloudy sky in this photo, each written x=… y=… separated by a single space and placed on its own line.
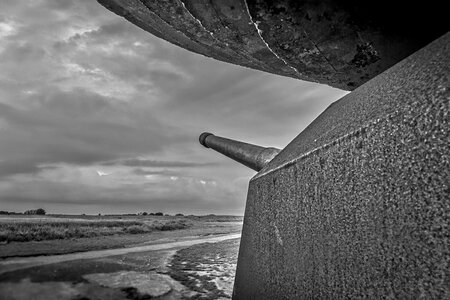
x=99 y=116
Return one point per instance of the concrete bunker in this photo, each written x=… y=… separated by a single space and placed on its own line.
x=359 y=209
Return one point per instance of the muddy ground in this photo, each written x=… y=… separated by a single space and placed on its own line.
x=174 y=267
x=198 y=226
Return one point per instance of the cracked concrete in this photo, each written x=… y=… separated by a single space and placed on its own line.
x=341 y=44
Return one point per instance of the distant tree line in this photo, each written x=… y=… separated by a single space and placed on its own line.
x=144 y=213
x=3 y=212
x=39 y=211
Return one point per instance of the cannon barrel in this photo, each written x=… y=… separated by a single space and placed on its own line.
x=252 y=156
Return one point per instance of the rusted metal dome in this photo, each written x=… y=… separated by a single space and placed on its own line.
x=342 y=43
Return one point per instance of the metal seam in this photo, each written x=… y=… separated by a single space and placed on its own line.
x=256 y=62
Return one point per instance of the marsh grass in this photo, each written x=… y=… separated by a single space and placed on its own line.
x=39 y=229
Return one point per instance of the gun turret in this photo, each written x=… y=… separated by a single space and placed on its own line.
x=252 y=156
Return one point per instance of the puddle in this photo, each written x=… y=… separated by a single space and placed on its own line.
x=148 y=284
x=25 y=289
x=208 y=269
x=124 y=285
x=203 y=269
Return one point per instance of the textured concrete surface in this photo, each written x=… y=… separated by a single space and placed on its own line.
x=414 y=83
x=358 y=205
x=339 y=43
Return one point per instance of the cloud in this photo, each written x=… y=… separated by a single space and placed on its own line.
x=186 y=194
x=159 y=163
x=83 y=92
x=101 y=173
x=14 y=168
x=141 y=171
x=78 y=127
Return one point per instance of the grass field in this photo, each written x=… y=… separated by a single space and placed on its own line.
x=24 y=228
x=29 y=235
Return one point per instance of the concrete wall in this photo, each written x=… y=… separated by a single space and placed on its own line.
x=339 y=43
x=358 y=205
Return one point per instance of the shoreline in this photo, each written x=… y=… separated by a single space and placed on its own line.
x=67 y=246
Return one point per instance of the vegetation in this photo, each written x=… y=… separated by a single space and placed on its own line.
x=38 y=211
x=38 y=229
x=4 y=212
x=133 y=230
x=216 y=218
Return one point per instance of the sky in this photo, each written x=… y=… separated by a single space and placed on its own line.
x=99 y=116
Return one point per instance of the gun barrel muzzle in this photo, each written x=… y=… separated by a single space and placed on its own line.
x=252 y=156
